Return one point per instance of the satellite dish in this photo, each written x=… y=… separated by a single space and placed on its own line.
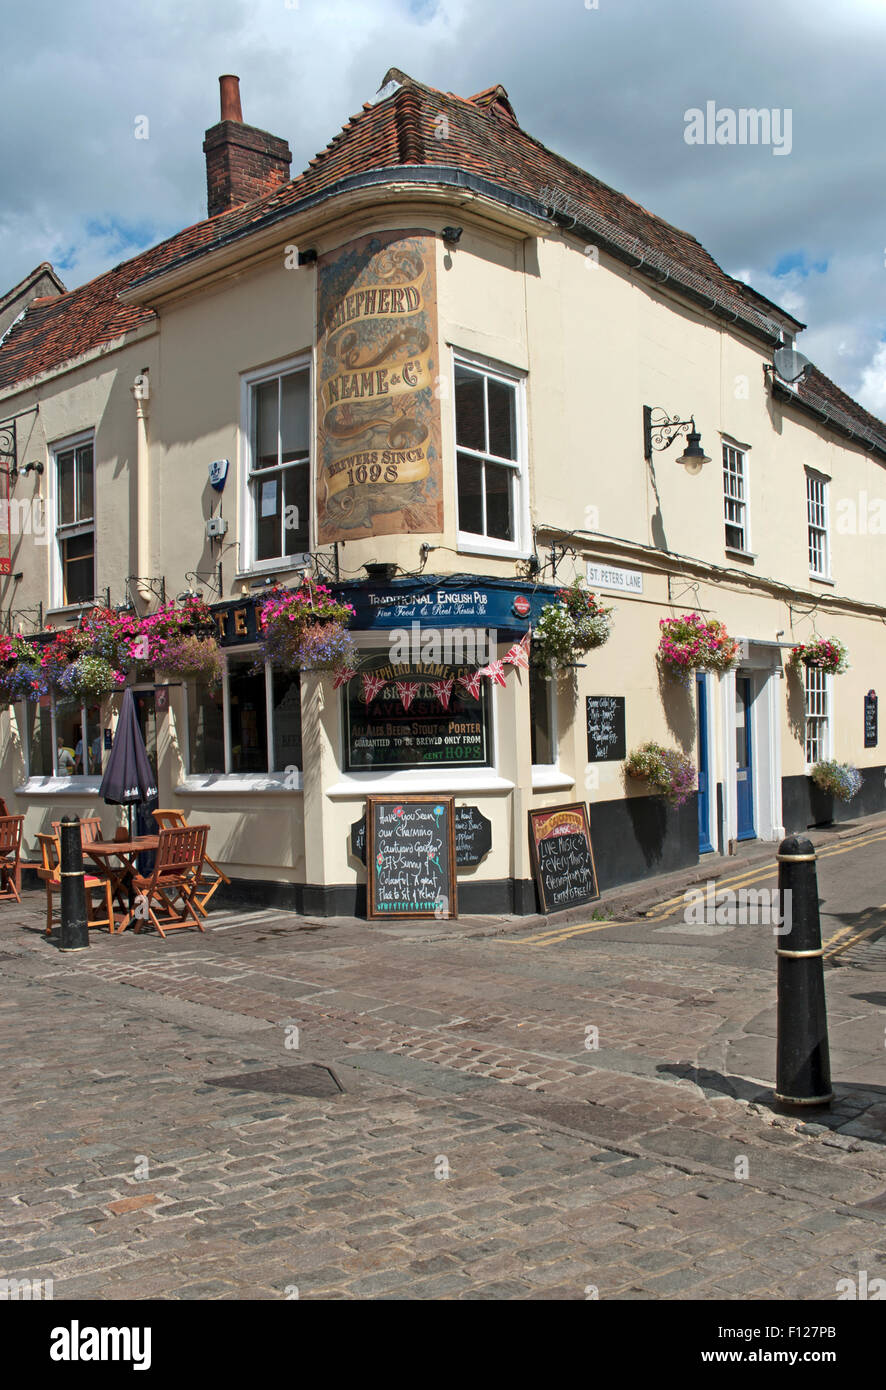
x=790 y=365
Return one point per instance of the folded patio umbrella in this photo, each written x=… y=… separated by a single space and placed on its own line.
x=128 y=778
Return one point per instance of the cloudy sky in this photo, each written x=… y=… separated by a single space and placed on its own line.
x=606 y=83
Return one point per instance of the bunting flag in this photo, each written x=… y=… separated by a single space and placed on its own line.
x=407 y=691
x=495 y=671
x=371 y=686
x=443 y=691
x=519 y=653
x=342 y=677
x=472 y=683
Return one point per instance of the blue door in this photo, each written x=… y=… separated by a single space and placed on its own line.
x=704 y=784
x=744 y=766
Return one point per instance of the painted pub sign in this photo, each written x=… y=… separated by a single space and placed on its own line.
x=378 y=420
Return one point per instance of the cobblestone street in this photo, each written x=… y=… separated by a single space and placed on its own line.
x=524 y=1114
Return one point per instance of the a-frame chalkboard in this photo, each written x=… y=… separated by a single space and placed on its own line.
x=562 y=857
x=410 y=859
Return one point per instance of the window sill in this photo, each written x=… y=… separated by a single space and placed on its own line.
x=417 y=779
x=262 y=569
x=741 y=554
x=59 y=786
x=821 y=579
x=228 y=783
x=503 y=550
x=68 y=610
x=546 y=777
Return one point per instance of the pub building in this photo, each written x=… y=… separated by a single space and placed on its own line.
x=446 y=373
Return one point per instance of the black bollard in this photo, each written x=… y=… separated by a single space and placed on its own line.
x=74 y=930
x=803 y=1068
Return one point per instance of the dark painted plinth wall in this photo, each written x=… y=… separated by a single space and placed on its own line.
x=804 y=805
x=642 y=836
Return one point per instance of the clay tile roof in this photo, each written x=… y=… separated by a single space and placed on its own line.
x=412 y=125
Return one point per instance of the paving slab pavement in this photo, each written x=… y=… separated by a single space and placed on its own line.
x=486 y=1143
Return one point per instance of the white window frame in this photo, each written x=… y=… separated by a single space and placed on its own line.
x=56 y=781
x=248 y=381
x=739 y=499
x=550 y=688
x=56 y=573
x=822 y=714
x=272 y=780
x=470 y=542
x=820 y=526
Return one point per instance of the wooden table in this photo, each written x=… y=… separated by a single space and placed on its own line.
x=101 y=852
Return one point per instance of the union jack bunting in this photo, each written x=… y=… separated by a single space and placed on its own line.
x=443 y=691
x=407 y=691
x=371 y=686
x=472 y=683
x=495 y=671
x=342 y=677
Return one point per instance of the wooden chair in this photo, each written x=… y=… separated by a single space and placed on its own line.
x=176 y=875
x=10 y=857
x=173 y=820
x=50 y=873
x=90 y=829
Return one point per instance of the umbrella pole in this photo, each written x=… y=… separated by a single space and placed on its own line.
x=131 y=884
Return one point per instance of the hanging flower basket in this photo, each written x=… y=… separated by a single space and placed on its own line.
x=306 y=628
x=691 y=643
x=190 y=657
x=570 y=627
x=667 y=773
x=91 y=677
x=22 y=680
x=826 y=653
x=15 y=649
x=841 y=780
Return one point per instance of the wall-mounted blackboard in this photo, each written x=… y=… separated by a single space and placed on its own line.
x=562 y=857
x=870 y=719
x=473 y=836
x=606 y=728
x=411 y=856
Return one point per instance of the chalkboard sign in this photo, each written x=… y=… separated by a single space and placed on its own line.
x=473 y=836
x=870 y=719
x=411 y=856
x=562 y=857
x=606 y=728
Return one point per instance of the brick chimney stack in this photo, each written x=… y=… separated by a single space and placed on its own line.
x=242 y=162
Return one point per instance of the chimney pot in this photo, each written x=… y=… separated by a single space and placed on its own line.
x=231 y=109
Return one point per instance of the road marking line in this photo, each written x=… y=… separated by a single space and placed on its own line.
x=550 y=938
x=663 y=910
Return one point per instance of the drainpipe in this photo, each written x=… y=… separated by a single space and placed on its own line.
x=141 y=392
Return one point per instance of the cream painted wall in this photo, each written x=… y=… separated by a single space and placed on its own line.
x=597 y=343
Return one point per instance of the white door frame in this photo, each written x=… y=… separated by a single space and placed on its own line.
x=761 y=663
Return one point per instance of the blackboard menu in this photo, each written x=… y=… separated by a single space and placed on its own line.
x=606 y=728
x=562 y=857
x=473 y=836
x=870 y=719
x=411 y=856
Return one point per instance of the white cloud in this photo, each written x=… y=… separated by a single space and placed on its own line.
x=606 y=87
